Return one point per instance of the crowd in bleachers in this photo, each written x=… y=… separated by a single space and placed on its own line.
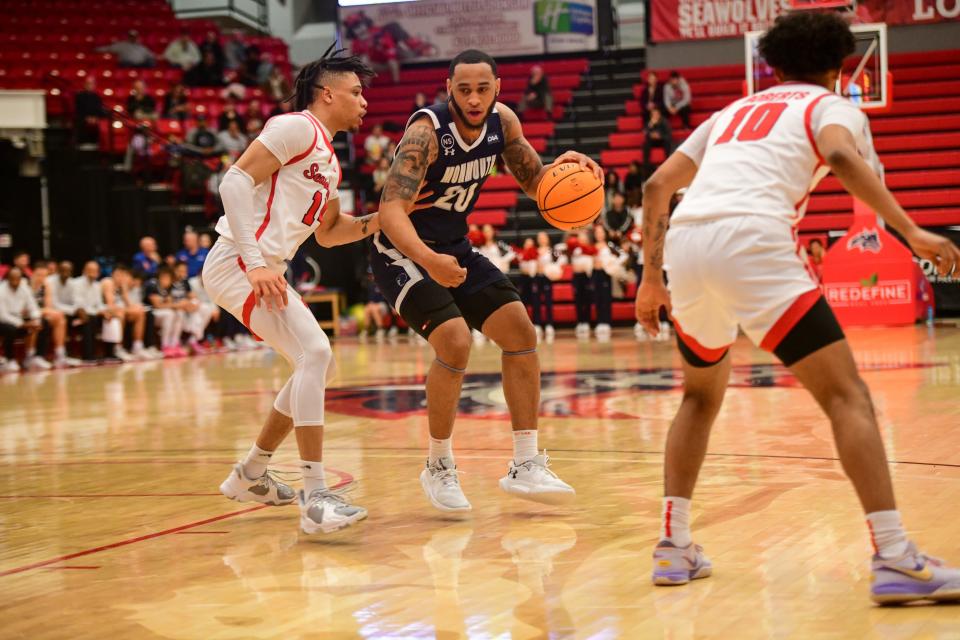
x=152 y=308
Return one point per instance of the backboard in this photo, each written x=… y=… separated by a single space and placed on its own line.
x=865 y=78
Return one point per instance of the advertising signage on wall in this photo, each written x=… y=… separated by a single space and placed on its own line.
x=426 y=30
x=709 y=19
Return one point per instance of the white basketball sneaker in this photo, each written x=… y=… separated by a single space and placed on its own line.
x=533 y=480
x=327 y=511
x=266 y=489
x=441 y=484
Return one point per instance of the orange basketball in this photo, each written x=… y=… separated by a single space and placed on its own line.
x=570 y=197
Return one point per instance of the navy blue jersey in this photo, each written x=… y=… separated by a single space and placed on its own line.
x=457 y=175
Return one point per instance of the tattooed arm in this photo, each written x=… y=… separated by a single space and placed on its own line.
x=524 y=162
x=339 y=228
x=677 y=172
x=416 y=152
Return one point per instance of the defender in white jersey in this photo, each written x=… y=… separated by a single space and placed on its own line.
x=734 y=261
x=282 y=190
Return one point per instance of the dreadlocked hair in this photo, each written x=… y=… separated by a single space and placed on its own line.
x=316 y=72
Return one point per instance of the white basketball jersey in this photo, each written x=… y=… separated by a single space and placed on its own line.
x=290 y=205
x=758 y=156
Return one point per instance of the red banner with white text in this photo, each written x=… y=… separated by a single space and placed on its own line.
x=708 y=19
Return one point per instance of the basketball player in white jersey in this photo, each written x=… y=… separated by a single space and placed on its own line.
x=282 y=190
x=734 y=261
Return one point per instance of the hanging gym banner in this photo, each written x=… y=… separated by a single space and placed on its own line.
x=426 y=30
x=708 y=19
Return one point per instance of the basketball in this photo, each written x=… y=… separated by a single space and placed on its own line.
x=569 y=196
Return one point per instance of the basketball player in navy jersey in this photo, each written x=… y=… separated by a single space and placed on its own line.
x=428 y=271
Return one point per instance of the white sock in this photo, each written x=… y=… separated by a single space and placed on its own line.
x=675 y=521
x=887 y=534
x=313 y=477
x=137 y=346
x=255 y=464
x=440 y=448
x=60 y=352
x=30 y=353
x=524 y=445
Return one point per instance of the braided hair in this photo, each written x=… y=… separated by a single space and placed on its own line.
x=315 y=74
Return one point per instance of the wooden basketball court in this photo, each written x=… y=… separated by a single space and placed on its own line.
x=112 y=526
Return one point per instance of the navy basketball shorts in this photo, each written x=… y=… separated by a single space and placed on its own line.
x=423 y=303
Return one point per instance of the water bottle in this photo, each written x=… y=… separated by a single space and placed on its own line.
x=929 y=315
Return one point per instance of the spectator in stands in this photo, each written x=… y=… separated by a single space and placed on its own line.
x=206 y=240
x=419 y=101
x=132 y=288
x=211 y=45
x=379 y=179
x=87 y=296
x=676 y=98
x=611 y=186
x=815 y=253
x=475 y=235
x=277 y=87
x=657 y=134
x=21 y=260
x=192 y=254
x=58 y=284
x=549 y=268
x=169 y=313
x=375 y=145
x=441 y=97
x=54 y=320
x=255 y=70
x=88 y=110
x=119 y=314
x=138 y=158
x=582 y=251
x=651 y=96
x=19 y=316
x=235 y=50
x=607 y=264
x=196 y=318
x=216 y=179
x=205 y=74
x=176 y=104
x=233 y=140
x=148 y=258
x=228 y=115
x=130 y=52
x=616 y=219
x=537 y=95
x=633 y=185
x=140 y=104
x=182 y=52
x=527 y=261
x=255 y=119
x=201 y=140
x=499 y=253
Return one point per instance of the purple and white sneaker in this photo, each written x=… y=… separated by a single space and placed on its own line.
x=913 y=576
x=673 y=565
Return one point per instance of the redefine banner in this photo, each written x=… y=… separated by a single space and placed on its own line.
x=431 y=30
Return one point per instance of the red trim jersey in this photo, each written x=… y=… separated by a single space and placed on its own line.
x=290 y=205
x=758 y=156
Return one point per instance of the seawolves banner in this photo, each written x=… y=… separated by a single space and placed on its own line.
x=708 y=19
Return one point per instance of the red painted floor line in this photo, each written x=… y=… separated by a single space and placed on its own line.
x=123 y=543
x=345 y=479
x=70 y=567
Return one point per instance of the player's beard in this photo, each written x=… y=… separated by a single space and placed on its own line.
x=463 y=116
